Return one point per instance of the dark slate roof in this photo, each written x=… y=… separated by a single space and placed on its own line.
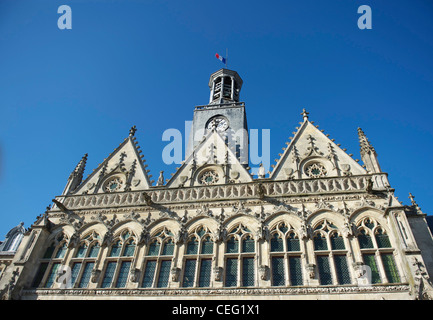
x=430 y=222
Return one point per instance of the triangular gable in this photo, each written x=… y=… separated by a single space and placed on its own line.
x=311 y=154
x=123 y=170
x=211 y=162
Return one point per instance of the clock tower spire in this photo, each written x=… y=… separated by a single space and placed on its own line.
x=224 y=113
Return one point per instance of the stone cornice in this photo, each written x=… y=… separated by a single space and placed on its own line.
x=219 y=291
x=244 y=191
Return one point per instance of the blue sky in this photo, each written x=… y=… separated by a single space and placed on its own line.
x=64 y=93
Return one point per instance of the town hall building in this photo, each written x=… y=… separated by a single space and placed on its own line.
x=319 y=225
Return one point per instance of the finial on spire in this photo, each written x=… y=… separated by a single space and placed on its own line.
x=412 y=198
x=76 y=175
x=414 y=204
x=160 y=179
x=366 y=146
x=132 y=131
x=304 y=114
x=79 y=169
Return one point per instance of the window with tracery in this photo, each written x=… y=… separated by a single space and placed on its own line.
x=331 y=254
x=51 y=262
x=198 y=255
x=240 y=256
x=286 y=264
x=84 y=259
x=316 y=170
x=119 y=260
x=157 y=263
x=377 y=252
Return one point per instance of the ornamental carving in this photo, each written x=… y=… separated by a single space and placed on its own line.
x=217 y=192
x=209 y=177
x=175 y=272
x=316 y=170
x=95 y=275
x=220 y=291
x=217 y=273
x=264 y=272
x=113 y=185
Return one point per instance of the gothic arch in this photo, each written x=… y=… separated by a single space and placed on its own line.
x=95 y=226
x=363 y=212
x=287 y=217
x=134 y=226
x=247 y=220
x=288 y=213
x=161 y=226
x=208 y=222
x=327 y=214
x=66 y=229
x=169 y=222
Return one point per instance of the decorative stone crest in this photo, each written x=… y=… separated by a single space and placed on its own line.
x=204 y=211
x=95 y=275
x=174 y=273
x=264 y=272
x=217 y=273
x=321 y=204
x=240 y=208
x=134 y=275
x=311 y=270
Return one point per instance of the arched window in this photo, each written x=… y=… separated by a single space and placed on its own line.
x=119 y=261
x=286 y=264
x=198 y=259
x=331 y=255
x=240 y=258
x=377 y=252
x=364 y=239
x=84 y=260
x=157 y=263
x=382 y=239
x=52 y=260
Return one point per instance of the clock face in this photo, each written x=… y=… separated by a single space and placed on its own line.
x=219 y=123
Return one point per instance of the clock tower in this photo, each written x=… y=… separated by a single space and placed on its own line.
x=224 y=113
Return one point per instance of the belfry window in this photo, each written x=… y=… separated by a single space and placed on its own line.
x=286 y=264
x=157 y=263
x=227 y=87
x=217 y=88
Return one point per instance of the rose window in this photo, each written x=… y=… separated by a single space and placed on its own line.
x=209 y=177
x=114 y=184
x=316 y=170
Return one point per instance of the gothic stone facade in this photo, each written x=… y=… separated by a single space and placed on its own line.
x=318 y=226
